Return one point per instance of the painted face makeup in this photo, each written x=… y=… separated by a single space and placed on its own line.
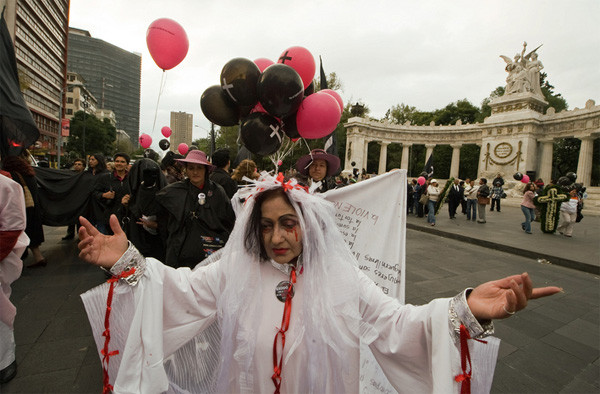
x=281 y=232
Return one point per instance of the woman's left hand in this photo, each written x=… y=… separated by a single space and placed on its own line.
x=500 y=299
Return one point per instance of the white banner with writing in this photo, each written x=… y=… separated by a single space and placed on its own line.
x=371 y=215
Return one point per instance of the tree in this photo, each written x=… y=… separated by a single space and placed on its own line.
x=486 y=110
x=461 y=110
x=91 y=135
x=333 y=82
x=555 y=100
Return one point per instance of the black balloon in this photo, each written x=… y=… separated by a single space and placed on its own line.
x=261 y=133
x=151 y=154
x=310 y=89
x=238 y=80
x=564 y=181
x=518 y=176
x=280 y=90
x=288 y=124
x=572 y=176
x=164 y=144
x=218 y=108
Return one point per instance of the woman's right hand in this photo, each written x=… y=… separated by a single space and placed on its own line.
x=100 y=249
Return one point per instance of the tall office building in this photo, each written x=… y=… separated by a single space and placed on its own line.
x=40 y=31
x=182 y=125
x=112 y=74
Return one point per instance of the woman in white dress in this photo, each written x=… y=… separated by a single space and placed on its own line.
x=292 y=307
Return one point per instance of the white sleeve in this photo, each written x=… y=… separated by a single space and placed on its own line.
x=151 y=319
x=417 y=346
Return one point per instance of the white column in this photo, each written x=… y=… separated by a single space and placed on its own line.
x=349 y=154
x=481 y=156
x=584 y=166
x=382 y=157
x=363 y=163
x=405 y=155
x=455 y=160
x=429 y=151
x=545 y=170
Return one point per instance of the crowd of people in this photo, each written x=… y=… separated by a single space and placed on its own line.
x=475 y=196
x=181 y=211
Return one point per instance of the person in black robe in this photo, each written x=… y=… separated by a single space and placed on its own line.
x=195 y=216
x=145 y=180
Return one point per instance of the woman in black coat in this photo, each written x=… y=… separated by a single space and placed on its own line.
x=22 y=173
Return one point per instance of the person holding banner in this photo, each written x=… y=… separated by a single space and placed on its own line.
x=285 y=259
x=319 y=166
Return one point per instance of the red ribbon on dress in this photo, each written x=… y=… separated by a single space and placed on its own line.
x=107 y=387
x=285 y=324
x=465 y=358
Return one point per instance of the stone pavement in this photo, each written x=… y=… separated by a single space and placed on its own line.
x=552 y=347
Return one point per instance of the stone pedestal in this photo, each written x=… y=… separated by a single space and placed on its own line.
x=518 y=106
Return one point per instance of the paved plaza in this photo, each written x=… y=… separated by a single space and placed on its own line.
x=552 y=347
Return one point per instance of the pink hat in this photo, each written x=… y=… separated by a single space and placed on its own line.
x=197 y=157
x=333 y=162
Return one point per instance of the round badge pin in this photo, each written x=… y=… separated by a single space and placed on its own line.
x=282 y=288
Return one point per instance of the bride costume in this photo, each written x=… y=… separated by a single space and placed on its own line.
x=212 y=329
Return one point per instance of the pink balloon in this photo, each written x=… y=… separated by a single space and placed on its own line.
x=421 y=180
x=301 y=60
x=318 y=115
x=167 y=42
x=183 y=148
x=258 y=108
x=145 y=141
x=263 y=63
x=336 y=96
x=166 y=131
x=525 y=179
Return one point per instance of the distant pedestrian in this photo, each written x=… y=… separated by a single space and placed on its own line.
x=246 y=169
x=434 y=193
x=568 y=214
x=320 y=166
x=528 y=207
x=498 y=179
x=463 y=200
x=77 y=167
x=220 y=174
x=112 y=192
x=471 y=195
x=483 y=199
x=410 y=199
x=171 y=168
x=539 y=183
x=22 y=173
x=455 y=196
x=497 y=192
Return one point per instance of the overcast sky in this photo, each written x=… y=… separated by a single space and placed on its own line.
x=425 y=54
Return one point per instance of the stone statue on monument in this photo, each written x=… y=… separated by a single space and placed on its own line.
x=523 y=72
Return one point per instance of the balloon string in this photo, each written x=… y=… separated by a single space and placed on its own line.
x=163 y=82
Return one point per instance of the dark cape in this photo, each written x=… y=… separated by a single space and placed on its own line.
x=63 y=195
x=145 y=180
x=192 y=230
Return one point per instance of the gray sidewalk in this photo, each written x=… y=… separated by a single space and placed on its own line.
x=552 y=347
x=503 y=232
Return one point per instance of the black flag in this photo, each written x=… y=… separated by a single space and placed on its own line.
x=428 y=167
x=17 y=128
x=331 y=141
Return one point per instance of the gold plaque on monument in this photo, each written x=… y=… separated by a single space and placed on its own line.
x=503 y=150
